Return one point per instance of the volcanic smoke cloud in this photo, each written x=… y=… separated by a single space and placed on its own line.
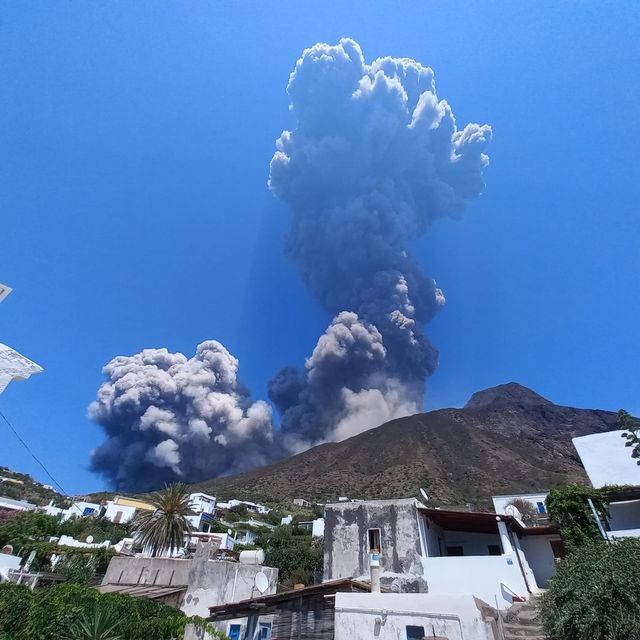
x=373 y=159
x=171 y=418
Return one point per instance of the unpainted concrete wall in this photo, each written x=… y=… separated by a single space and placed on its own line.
x=209 y=582
x=346 y=547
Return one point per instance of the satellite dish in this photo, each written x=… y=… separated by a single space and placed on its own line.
x=229 y=531
x=7 y=549
x=89 y=539
x=424 y=495
x=261 y=581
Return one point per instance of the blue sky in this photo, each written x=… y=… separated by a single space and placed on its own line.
x=134 y=148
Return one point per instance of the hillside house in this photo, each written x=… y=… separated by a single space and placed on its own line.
x=503 y=504
x=11 y=506
x=190 y=584
x=428 y=550
x=608 y=463
x=202 y=503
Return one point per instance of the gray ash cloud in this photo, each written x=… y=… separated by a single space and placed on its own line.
x=374 y=158
x=168 y=417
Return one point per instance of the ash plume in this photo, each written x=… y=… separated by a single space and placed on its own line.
x=375 y=157
x=168 y=417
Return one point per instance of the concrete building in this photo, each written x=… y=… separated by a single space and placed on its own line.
x=412 y=616
x=193 y=585
x=301 y=502
x=9 y=504
x=537 y=501
x=609 y=464
x=289 y=615
x=252 y=507
x=423 y=550
x=315 y=526
x=202 y=503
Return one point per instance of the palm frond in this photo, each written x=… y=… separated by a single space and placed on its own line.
x=163 y=530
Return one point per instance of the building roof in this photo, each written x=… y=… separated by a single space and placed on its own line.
x=10 y=503
x=149 y=591
x=265 y=604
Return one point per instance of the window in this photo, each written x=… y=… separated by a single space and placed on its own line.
x=455 y=550
x=415 y=633
x=374 y=540
x=541 y=508
x=265 y=631
x=234 y=632
x=494 y=550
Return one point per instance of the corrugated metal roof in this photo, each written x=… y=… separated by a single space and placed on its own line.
x=149 y=591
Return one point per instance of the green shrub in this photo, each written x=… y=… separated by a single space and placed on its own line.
x=53 y=613
x=15 y=603
x=595 y=594
x=569 y=508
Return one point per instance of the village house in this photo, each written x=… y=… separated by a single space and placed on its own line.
x=495 y=558
x=609 y=465
x=192 y=584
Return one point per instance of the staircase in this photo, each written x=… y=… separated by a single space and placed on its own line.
x=520 y=622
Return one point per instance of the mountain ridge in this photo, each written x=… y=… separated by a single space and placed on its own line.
x=506 y=439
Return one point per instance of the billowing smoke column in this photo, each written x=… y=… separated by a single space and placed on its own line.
x=171 y=418
x=374 y=158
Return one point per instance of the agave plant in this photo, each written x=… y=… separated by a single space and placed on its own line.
x=163 y=529
x=98 y=624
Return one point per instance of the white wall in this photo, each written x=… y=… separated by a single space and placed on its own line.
x=202 y=503
x=317 y=530
x=539 y=555
x=456 y=618
x=112 y=510
x=500 y=502
x=606 y=460
x=477 y=575
x=624 y=516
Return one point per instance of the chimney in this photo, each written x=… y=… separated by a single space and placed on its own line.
x=374 y=567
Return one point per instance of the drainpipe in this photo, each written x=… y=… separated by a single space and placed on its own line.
x=374 y=568
x=507 y=549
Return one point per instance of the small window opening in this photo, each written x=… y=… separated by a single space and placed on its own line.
x=374 y=540
x=415 y=633
x=455 y=550
x=494 y=550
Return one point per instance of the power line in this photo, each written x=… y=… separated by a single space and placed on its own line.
x=33 y=455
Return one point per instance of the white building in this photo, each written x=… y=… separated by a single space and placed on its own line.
x=414 y=616
x=9 y=504
x=537 y=501
x=608 y=463
x=492 y=557
x=202 y=503
x=315 y=526
x=249 y=506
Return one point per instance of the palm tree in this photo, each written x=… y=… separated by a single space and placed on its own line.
x=99 y=624
x=163 y=530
